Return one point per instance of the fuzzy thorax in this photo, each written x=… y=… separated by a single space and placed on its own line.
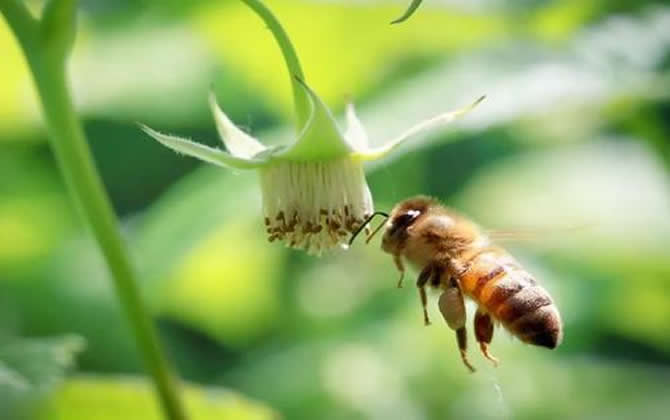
x=314 y=205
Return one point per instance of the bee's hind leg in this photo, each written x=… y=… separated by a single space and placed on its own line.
x=484 y=334
x=462 y=337
x=452 y=307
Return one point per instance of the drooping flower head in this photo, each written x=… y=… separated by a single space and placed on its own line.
x=314 y=191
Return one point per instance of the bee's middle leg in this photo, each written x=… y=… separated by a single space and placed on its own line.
x=425 y=275
x=452 y=307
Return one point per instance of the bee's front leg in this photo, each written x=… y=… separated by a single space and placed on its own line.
x=401 y=267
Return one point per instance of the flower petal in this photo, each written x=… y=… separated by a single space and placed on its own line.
x=320 y=139
x=238 y=143
x=439 y=120
x=202 y=152
x=355 y=133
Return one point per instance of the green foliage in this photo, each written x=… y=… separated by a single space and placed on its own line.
x=571 y=142
x=111 y=398
x=29 y=369
x=409 y=12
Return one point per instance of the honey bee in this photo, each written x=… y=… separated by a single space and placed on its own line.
x=455 y=256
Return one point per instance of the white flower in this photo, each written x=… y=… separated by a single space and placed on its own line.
x=314 y=191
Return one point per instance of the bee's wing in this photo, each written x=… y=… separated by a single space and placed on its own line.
x=533 y=234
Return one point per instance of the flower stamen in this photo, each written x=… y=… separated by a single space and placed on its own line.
x=328 y=200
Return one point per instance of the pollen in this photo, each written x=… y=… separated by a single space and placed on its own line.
x=314 y=206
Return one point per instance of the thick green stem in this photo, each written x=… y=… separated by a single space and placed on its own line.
x=74 y=158
x=302 y=105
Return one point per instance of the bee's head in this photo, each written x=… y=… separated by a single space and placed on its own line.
x=403 y=216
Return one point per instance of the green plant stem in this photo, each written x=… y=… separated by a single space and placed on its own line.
x=22 y=23
x=74 y=158
x=301 y=102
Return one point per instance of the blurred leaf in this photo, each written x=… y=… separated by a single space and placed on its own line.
x=613 y=188
x=189 y=212
x=17 y=101
x=208 y=263
x=338 y=60
x=642 y=306
x=34 y=211
x=137 y=71
x=585 y=74
x=397 y=366
x=30 y=368
x=72 y=292
x=227 y=286
x=558 y=20
x=410 y=10
x=110 y=398
x=133 y=72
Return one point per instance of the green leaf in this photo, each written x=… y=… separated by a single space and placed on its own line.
x=128 y=398
x=203 y=270
x=409 y=12
x=30 y=368
x=583 y=186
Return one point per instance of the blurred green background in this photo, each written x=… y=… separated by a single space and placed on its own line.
x=575 y=132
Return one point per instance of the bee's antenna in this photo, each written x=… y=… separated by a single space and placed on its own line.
x=365 y=223
x=374 y=232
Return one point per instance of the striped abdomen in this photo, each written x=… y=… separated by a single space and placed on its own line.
x=511 y=295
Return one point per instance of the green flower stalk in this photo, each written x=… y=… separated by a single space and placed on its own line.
x=314 y=191
x=46 y=43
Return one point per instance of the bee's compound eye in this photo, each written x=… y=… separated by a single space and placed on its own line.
x=413 y=214
x=404 y=220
